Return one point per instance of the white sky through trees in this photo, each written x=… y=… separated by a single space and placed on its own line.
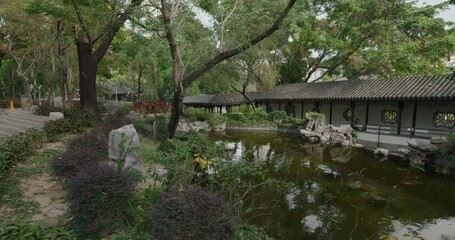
x=448 y=15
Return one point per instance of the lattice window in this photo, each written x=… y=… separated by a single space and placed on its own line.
x=389 y=116
x=442 y=119
x=347 y=114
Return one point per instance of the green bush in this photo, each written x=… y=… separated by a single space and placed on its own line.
x=191 y=213
x=14 y=149
x=75 y=121
x=97 y=198
x=124 y=108
x=196 y=114
x=69 y=162
x=29 y=231
x=161 y=126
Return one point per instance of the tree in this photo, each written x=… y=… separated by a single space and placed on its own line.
x=354 y=38
x=21 y=41
x=182 y=74
x=93 y=41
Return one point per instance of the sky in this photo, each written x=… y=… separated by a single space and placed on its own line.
x=448 y=15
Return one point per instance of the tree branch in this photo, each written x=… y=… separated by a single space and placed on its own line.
x=232 y=52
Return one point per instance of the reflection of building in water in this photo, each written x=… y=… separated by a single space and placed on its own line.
x=316 y=153
x=263 y=153
x=234 y=150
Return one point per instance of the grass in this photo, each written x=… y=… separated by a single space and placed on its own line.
x=11 y=194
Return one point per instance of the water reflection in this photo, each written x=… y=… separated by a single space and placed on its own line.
x=347 y=183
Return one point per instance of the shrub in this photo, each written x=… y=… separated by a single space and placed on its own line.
x=161 y=126
x=124 y=108
x=45 y=108
x=90 y=142
x=151 y=107
x=97 y=198
x=14 y=149
x=27 y=230
x=75 y=121
x=196 y=114
x=191 y=213
x=69 y=162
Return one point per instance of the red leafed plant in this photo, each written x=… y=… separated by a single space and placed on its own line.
x=151 y=107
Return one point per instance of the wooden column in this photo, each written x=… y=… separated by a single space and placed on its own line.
x=317 y=106
x=279 y=105
x=399 y=117
x=302 y=113
x=289 y=109
x=414 y=118
x=330 y=115
x=266 y=106
x=353 y=103
x=366 y=116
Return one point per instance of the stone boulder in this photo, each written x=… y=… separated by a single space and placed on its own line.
x=437 y=140
x=220 y=127
x=316 y=122
x=381 y=154
x=185 y=126
x=55 y=116
x=421 y=145
x=123 y=146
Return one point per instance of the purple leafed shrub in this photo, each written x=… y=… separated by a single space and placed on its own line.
x=98 y=197
x=191 y=213
x=69 y=162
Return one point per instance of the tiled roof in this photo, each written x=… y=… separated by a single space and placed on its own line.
x=398 y=88
x=219 y=99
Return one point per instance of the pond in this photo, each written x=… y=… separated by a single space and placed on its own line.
x=348 y=188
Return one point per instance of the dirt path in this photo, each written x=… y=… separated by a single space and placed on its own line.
x=31 y=192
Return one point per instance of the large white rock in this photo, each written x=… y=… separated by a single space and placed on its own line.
x=55 y=116
x=422 y=145
x=123 y=145
x=196 y=126
x=381 y=154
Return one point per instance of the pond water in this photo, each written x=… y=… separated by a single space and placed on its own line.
x=348 y=188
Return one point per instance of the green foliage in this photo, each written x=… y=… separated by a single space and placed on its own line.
x=445 y=158
x=248 y=117
x=16 y=148
x=97 y=197
x=196 y=114
x=161 y=126
x=75 y=121
x=191 y=213
x=29 y=231
x=124 y=108
x=242 y=182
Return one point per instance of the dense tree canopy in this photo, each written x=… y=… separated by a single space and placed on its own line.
x=168 y=49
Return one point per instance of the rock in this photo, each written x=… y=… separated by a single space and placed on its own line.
x=404 y=151
x=355 y=185
x=381 y=154
x=416 y=158
x=58 y=102
x=56 y=115
x=358 y=145
x=220 y=127
x=196 y=126
x=438 y=140
x=151 y=116
x=123 y=144
x=26 y=102
x=422 y=145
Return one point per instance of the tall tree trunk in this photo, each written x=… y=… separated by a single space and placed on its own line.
x=88 y=66
x=63 y=67
x=177 y=111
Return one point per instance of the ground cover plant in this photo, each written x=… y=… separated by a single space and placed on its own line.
x=246 y=117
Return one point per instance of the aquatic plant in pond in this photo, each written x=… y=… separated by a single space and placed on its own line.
x=343 y=193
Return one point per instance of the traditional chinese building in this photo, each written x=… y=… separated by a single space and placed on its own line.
x=412 y=105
